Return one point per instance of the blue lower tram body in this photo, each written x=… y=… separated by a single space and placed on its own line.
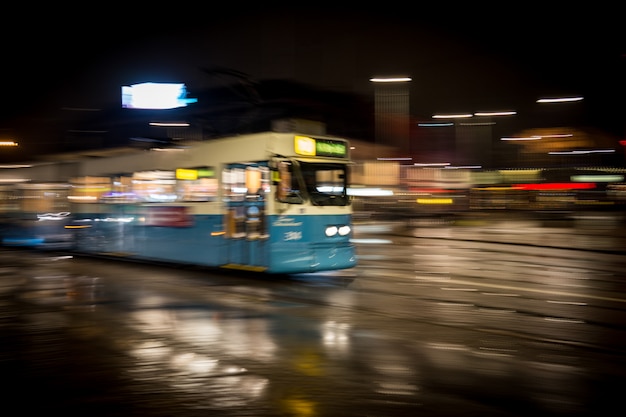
x=28 y=233
x=298 y=245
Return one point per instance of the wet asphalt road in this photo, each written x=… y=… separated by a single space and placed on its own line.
x=100 y=338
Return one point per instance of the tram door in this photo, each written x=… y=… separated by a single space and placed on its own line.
x=246 y=187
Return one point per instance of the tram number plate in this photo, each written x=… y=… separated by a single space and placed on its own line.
x=293 y=236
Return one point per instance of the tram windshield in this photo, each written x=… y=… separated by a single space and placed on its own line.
x=324 y=183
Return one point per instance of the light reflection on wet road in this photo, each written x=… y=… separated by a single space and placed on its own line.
x=423 y=326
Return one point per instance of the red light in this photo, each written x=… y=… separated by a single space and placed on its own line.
x=558 y=186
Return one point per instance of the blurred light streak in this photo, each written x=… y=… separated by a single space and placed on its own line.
x=447 y=346
x=496 y=352
x=194 y=363
x=597 y=178
x=577 y=152
x=564 y=320
x=495 y=113
x=116 y=219
x=501 y=294
x=60 y=258
x=559 y=99
x=575 y=303
x=82 y=198
x=234 y=370
x=435 y=124
x=556 y=186
x=452 y=116
x=558 y=135
x=53 y=216
x=169 y=124
x=167 y=149
x=8 y=143
x=372 y=241
x=434 y=164
x=13 y=180
x=396 y=388
x=520 y=289
x=390 y=80
x=150 y=349
x=369 y=192
x=522 y=138
x=336 y=334
x=434 y=201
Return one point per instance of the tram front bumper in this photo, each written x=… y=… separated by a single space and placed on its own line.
x=293 y=261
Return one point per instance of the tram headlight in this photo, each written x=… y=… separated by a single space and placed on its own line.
x=344 y=230
x=331 y=231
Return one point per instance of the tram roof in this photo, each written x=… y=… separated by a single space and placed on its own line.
x=92 y=153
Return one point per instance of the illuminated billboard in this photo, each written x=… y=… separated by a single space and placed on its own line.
x=155 y=96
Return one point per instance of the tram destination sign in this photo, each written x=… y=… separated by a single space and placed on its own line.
x=308 y=146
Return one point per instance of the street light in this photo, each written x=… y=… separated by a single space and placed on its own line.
x=391 y=80
x=559 y=99
x=453 y=116
x=495 y=113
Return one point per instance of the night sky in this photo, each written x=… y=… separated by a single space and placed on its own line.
x=475 y=59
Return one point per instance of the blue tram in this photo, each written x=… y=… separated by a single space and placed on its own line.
x=35 y=215
x=267 y=202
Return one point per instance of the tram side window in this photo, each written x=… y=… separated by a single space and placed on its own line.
x=155 y=186
x=202 y=189
x=288 y=187
x=9 y=202
x=89 y=189
x=233 y=183
x=257 y=182
x=43 y=198
x=196 y=184
x=246 y=181
x=121 y=190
